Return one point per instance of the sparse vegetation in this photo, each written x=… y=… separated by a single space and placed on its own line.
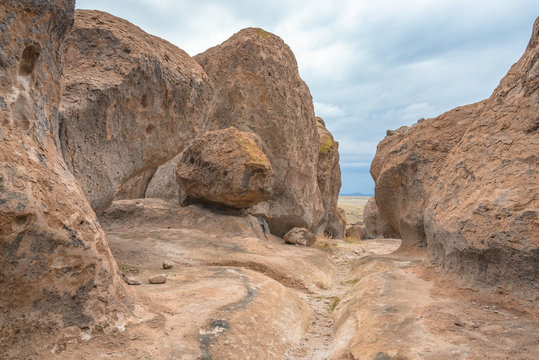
x=335 y=300
x=325 y=148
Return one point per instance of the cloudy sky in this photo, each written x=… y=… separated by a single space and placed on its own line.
x=371 y=65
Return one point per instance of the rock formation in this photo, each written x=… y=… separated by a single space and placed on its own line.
x=329 y=182
x=258 y=89
x=225 y=167
x=300 y=236
x=56 y=270
x=131 y=102
x=464 y=184
x=163 y=184
x=375 y=225
x=356 y=232
x=135 y=187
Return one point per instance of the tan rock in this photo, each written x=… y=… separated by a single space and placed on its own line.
x=464 y=184
x=56 y=270
x=167 y=264
x=375 y=225
x=158 y=279
x=300 y=236
x=147 y=229
x=329 y=182
x=356 y=232
x=163 y=184
x=225 y=167
x=135 y=187
x=258 y=89
x=482 y=215
x=138 y=96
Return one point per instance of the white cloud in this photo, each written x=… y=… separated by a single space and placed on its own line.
x=326 y=111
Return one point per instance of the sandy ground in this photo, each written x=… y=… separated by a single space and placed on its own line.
x=236 y=293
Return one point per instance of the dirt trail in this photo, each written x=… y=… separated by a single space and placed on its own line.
x=315 y=344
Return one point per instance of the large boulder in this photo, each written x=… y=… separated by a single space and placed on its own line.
x=329 y=181
x=258 y=89
x=406 y=164
x=464 y=184
x=375 y=225
x=57 y=274
x=482 y=218
x=132 y=101
x=225 y=167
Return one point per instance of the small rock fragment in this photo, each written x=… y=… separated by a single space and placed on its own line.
x=167 y=264
x=131 y=281
x=158 y=279
x=300 y=236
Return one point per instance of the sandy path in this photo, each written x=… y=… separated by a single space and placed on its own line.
x=315 y=344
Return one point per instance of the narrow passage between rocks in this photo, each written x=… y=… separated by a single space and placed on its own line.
x=316 y=342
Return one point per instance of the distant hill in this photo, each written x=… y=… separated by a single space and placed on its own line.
x=356 y=194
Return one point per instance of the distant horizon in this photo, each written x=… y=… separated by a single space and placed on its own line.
x=356 y=194
x=370 y=65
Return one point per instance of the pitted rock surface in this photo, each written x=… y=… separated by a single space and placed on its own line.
x=225 y=167
x=132 y=101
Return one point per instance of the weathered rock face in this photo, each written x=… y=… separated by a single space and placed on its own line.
x=56 y=269
x=329 y=181
x=258 y=89
x=375 y=225
x=405 y=167
x=482 y=218
x=163 y=184
x=135 y=187
x=132 y=101
x=465 y=184
x=225 y=167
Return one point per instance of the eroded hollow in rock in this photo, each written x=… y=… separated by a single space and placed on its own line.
x=29 y=57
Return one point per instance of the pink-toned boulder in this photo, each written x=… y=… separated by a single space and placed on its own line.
x=464 y=185
x=333 y=222
x=225 y=167
x=258 y=89
x=132 y=101
x=57 y=274
x=375 y=225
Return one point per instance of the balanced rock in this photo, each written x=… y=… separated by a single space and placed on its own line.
x=329 y=182
x=375 y=225
x=56 y=270
x=132 y=101
x=258 y=89
x=464 y=184
x=226 y=167
x=300 y=236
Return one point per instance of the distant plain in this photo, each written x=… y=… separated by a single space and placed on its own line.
x=353 y=207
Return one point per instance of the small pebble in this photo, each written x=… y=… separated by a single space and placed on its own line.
x=131 y=281
x=167 y=264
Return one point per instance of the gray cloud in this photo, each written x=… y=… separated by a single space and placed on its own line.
x=371 y=65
